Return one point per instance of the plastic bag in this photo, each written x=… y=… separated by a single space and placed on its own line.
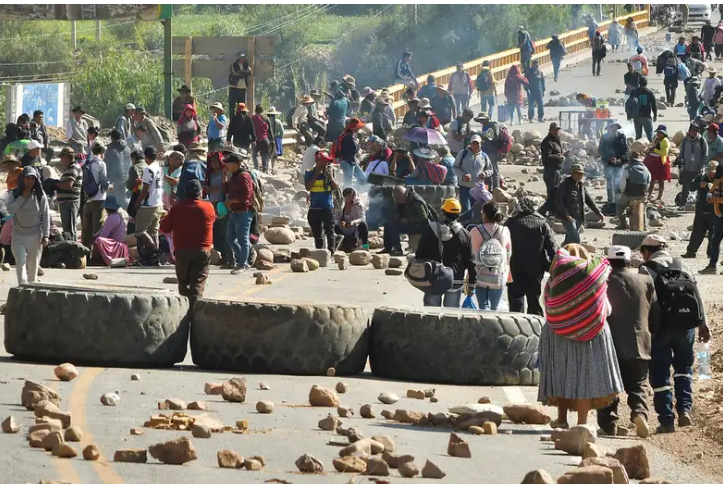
x=469 y=302
x=221 y=209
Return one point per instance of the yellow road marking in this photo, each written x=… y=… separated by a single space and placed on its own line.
x=231 y=290
x=63 y=467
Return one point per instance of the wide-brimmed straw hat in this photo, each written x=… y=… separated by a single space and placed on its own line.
x=217 y=105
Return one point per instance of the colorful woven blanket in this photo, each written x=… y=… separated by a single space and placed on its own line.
x=576 y=296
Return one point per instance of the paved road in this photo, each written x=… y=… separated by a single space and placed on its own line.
x=292 y=429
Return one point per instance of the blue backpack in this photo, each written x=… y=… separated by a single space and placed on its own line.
x=189 y=172
x=670 y=70
x=683 y=72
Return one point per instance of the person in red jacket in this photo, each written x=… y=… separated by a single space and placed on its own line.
x=513 y=92
x=190 y=221
x=239 y=190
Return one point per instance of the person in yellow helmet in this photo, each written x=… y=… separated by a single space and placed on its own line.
x=456 y=253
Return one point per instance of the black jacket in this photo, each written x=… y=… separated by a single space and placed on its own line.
x=552 y=154
x=706 y=34
x=632 y=79
x=701 y=203
x=647 y=102
x=614 y=147
x=571 y=198
x=241 y=130
x=533 y=246
x=456 y=250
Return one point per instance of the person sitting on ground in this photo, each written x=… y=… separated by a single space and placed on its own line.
x=570 y=200
x=427 y=172
x=191 y=223
x=351 y=223
x=533 y=249
x=110 y=242
x=672 y=345
x=320 y=183
x=401 y=165
x=411 y=217
x=632 y=301
x=578 y=366
x=456 y=254
x=704 y=220
x=480 y=195
x=492 y=249
x=634 y=184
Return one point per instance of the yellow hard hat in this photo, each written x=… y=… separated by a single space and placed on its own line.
x=452 y=205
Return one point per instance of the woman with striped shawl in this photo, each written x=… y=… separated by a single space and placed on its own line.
x=578 y=365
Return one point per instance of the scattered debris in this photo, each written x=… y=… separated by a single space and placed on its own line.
x=323 y=397
x=92 y=452
x=66 y=372
x=388 y=398
x=228 y=459
x=135 y=456
x=307 y=463
x=265 y=406
x=110 y=399
x=458 y=447
x=174 y=452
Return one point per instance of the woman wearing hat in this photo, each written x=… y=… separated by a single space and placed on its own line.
x=188 y=129
x=382 y=117
x=217 y=125
x=427 y=172
x=183 y=100
x=378 y=158
x=110 y=241
x=401 y=164
x=657 y=161
x=11 y=166
x=345 y=149
x=709 y=87
x=28 y=205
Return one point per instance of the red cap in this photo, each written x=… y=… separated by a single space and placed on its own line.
x=323 y=156
x=713 y=127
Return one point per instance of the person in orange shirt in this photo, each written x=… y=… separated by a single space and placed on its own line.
x=11 y=166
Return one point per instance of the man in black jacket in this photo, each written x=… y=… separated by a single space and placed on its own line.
x=614 y=153
x=533 y=249
x=39 y=132
x=241 y=129
x=704 y=212
x=411 y=217
x=706 y=35
x=570 y=200
x=456 y=253
x=647 y=110
x=552 y=159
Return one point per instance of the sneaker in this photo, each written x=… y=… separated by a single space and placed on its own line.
x=688 y=255
x=709 y=270
x=239 y=270
x=666 y=429
x=684 y=420
x=559 y=425
x=641 y=427
x=611 y=430
x=365 y=246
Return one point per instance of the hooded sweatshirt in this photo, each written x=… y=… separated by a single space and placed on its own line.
x=31 y=215
x=513 y=86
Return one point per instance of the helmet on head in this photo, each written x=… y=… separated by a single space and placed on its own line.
x=452 y=205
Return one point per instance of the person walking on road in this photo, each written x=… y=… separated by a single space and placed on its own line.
x=632 y=299
x=471 y=165
x=614 y=152
x=718 y=41
x=460 y=86
x=710 y=86
x=693 y=96
x=632 y=79
x=631 y=34
x=191 y=223
x=533 y=248
x=705 y=217
x=658 y=162
x=557 y=52
x=492 y=249
x=670 y=79
x=513 y=92
x=526 y=46
x=239 y=191
x=28 y=205
x=707 y=31
x=570 y=200
x=691 y=161
x=578 y=365
x=646 y=112
x=599 y=51
x=553 y=157
x=615 y=35
x=320 y=183
x=535 y=92
x=716 y=190
x=454 y=241
x=487 y=89
x=684 y=11
x=673 y=339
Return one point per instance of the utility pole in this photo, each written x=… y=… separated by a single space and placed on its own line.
x=98 y=31
x=73 y=34
x=168 y=67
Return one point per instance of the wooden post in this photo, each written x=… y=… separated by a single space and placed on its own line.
x=168 y=68
x=188 y=73
x=637 y=215
x=251 y=83
x=98 y=31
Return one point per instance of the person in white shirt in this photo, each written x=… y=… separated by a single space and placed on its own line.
x=308 y=161
x=459 y=132
x=710 y=86
x=150 y=202
x=95 y=192
x=379 y=156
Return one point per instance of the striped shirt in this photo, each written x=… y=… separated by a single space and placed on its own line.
x=72 y=173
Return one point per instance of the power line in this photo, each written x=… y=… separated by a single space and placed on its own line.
x=320 y=9
x=279 y=19
x=33 y=63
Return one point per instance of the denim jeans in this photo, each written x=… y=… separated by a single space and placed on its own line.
x=394 y=229
x=350 y=170
x=461 y=101
x=672 y=348
x=511 y=108
x=714 y=243
x=494 y=180
x=572 y=231
x=533 y=99
x=556 y=66
x=487 y=105
x=465 y=198
x=452 y=299
x=238 y=231
x=69 y=217
x=642 y=123
x=488 y=299
x=613 y=176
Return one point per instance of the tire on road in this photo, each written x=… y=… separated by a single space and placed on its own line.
x=304 y=339
x=96 y=325
x=630 y=239
x=455 y=346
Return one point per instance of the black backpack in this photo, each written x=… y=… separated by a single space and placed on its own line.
x=678 y=297
x=632 y=106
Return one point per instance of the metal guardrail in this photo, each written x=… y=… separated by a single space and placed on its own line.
x=500 y=63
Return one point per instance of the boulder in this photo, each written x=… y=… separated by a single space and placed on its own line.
x=388 y=398
x=309 y=464
x=360 y=258
x=321 y=256
x=312 y=264
x=201 y=432
x=323 y=397
x=52 y=440
x=590 y=450
x=587 y=475
x=10 y=426
x=265 y=406
x=678 y=138
x=458 y=447
x=299 y=265
x=363 y=445
x=387 y=442
x=431 y=471
x=397 y=262
x=344 y=412
x=380 y=261
x=366 y=411
x=376 y=466
x=281 y=220
x=110 y=399
x=527 y=414
x=540 y=476
x=50 y=410
x=393 y=272
x=409 y=416
x=73 y=434
x=573 y=440
x=343 y=264
x=279 y=236
x=265 y=255
x=396 y=460
x=174 y=452
x=330 y=423
x=66 y=372
x=35 y=439
x=408 y=469
x=635 y=460
x=228 y=459
x=65 y=451
x=253 y=465
x=341 y=387
x=620 y=475
x=501 y=196
x=92 y=452
x=350 y=463
x=376 y=243
x=234 y=390
x=210 y=388
x=517 y=148
x=33 y=393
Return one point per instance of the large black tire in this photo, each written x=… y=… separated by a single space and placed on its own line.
x=103 y=325
x=630 y=239
x=304 y=339
x=455 y=346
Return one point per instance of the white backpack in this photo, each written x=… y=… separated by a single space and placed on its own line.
x=491 y=260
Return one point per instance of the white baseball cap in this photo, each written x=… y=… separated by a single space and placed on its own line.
x=130 y=107
x=654 y=240
x=476 y=138
x=619 y=252
x=33 y=145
